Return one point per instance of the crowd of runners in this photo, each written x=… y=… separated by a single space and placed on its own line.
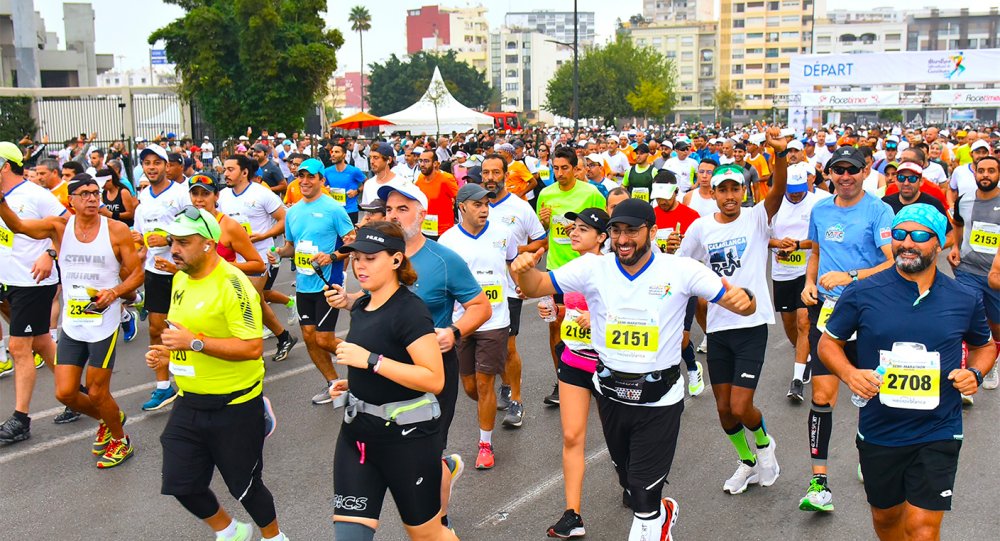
x=434 y=247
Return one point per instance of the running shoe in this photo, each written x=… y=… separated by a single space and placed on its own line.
x=703 y=346
x=553 y=399
x=569 y=525
x=796 y=390
x=270 y=421
x=67 y=416
x=118 y=451
x=967 y=400
x=244 y=532
x=696 y=382
x=767 y=465
x=129 y=328
x=992 y=379
x=160 y=398
x=456 y=466
x=743 y=477
x=103 y=437
x=13 y=430
x=284 y=348
x=6 y=367
x=503 y=397
x=515 y=415
x=323 y=397
x=671 y=509
x=485 y=459
x=140 y=306
x=293 y=311
x=39 y=362
x=818 y=497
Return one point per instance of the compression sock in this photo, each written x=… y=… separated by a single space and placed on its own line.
x=760 y=436
x=646 y=526
x=820 y=428
x=284 y=337
x=740 y=443
x=688 y=355
x=23 y=417
x=800 y=371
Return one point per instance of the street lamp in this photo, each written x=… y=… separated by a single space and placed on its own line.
x=576 y=68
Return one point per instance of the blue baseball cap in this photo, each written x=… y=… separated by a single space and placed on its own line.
x=312 y=165
x=925 y=215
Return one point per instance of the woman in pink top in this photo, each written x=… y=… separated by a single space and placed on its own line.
x=576 y=371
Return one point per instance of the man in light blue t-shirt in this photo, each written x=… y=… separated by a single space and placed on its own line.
x=344 y=181
x=314 y=228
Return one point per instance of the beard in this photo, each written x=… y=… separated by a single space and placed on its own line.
x=987 y=186
x=412 y=231
x=640 y=250
x=909 y=266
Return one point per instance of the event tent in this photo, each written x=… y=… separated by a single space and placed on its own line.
x=450 y=114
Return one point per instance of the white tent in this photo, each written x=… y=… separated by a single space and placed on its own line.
x=446 y=116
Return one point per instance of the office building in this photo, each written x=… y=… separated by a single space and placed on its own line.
x=557 y=25
x=463 y=30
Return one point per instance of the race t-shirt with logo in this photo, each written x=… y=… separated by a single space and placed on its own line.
x=792 y=221
x=738 y=252
x=19 y=252
x=341 y=182
x=581 y=196
x=850 y=238
x=684 y=170
x=314 y=227
x=223 y=304
x=487 y=255
x=667 y=221
x=252 y=208
x=980 y=219
x=637 y=320
x=155 y=211
x=916 y=403
x=518 y=216
x=963 y=180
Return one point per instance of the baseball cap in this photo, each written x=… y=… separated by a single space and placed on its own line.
x=312 y=165
x=910 y=166
x=375 y=205
x=593 y=216
x=260 y=147
x=795 y=144
x=10 y=152
x=727 y=172
x=472 y=191
x=798 y=178
x=202 y=181
x=206 y=138
x=194 y=221
x=681 y=145
x=666 y=143
x=408 y=191
x=509 y=148
x=847 y=154
x=595 y=158
x=662 y=190
x=244 y=138
x=280 y=135
x=385 y=150
x=372 y=241
x=153 y=149
x=174 y=157
x=474 y=174
x=633 y=212
x=978 y=145
x=757 y=138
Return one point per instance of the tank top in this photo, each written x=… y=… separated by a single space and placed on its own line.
x=704 y=207
x=644 y=179
x=86 y=268
x=116 y=205
x=225 y=253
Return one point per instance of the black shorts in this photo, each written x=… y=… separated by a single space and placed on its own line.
x=30 y=308
x=689 y=312
x=315 y=312
x=195 y=442
x=571 y=375
x=73 y=352
x=922 y=475
x=641 y=441
x=449 y=395
x=410 y=469
x=788 y=294
x=736 y=356
x=272 y=275
x=816 y=366
x=158 y=288
x=515 y=304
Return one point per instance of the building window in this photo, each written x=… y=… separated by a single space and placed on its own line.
x=737 y=54
x=755 y=82
x=893 y=37
x=687 y=99
x=657 y=42
x=789 y=50
x=754 y=35
x=790 y=19
x=739 y=7
x=511 y=59
x=511 y=73
x=706 y=71
x=511 y=45
x=771 y=68
x=772 y=84
x=772 y=53
x=687 y=87
x=755 y=21
x=738 y=69
x=687 y=56
x=774 y=21
x=774 y=6
x=738 y=85
x=739 y=38
x=755 y=50
x=687 y=70
x=671 y=43
x=739 y=23
x=641 y=42
x=671 y=54
x=707 y=55
x=823 y=40
x=772 y=37
x=789 y=35
x=791 y=4
x=510 y=87
x=687 y=41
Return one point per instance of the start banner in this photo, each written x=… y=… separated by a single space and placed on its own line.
x=910 y=67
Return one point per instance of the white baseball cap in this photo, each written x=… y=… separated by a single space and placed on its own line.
x=979 y=144
x=795 y=144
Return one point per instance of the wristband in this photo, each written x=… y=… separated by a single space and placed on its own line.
x=749 y=293
x=979 y=375
x=798 y=245
x=781 y=154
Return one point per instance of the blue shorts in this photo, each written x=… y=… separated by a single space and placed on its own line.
x=991 y=297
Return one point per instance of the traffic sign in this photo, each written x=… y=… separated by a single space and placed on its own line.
x=158 y=56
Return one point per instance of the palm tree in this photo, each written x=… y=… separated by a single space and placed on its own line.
x=361 y=21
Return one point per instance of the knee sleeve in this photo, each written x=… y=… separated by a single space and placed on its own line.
x=352 y=531
x=820 y=428
x=201 y=505
x=259 y=503
x=646 y=502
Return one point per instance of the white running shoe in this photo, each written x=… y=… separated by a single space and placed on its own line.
x=767 y=464
x=703 y=346
x=744 y=476
x=992 y=379
x=696 y=382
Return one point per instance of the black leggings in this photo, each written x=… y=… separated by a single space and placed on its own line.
x=258 y=502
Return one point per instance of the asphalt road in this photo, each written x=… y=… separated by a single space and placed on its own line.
x=50 y=488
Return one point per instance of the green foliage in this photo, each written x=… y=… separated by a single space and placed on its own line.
x=397 y=84
x=891 y=115
x=725 y=100
x=361 y=21
x=607 y=75
x=15 y=118
x=261 y=63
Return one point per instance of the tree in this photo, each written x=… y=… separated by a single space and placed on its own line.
x=15 y=118
x=252 y=62
x=649 y=99
x=361 y=21
x=397 y=84
x=606 y=74
x=725 y=100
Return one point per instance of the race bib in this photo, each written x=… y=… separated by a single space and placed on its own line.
x=641 y=194
x=339 y=195
x=78 y=313
x=430 y=225
x=661 y=238
x=984 y=237
x=573 y=335
x=304 y=252
x=632 y=336
x=186 y=370
x=543 y=173
x=824 y=316
x=560 y=230
x=793 y=259
x=6 y=241
x=492 y=288
x=912 y=379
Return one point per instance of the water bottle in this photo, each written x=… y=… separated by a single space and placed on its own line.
x=277 y=256
x=549 y=303
x=861 y=401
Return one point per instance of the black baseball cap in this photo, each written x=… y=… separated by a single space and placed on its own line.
x=375 y=205
x=474 y=175
x=174 y=157
x=633 y=212
x=681 y=145
x=593 y=216
x=847 y=154
x=372 y=241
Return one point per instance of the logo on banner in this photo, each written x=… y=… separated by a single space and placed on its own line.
x=958 y=68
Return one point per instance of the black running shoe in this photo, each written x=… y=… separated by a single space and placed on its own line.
x=553 y=399
x=13 y=430
x=570 y=525
x=67 y=416
x=284 y=348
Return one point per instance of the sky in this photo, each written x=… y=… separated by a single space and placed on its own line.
x=125 y=34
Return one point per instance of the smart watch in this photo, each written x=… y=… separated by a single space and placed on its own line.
x=979 y=375
x=458 y=333
x=853 y=274
x=198 y=343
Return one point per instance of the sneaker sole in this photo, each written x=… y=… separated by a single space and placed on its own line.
x=15 y=439
x=512 y=424
x=575 y=532
x=752 y=480
x=163 y=404
x=7 y=372
x=291 y=343
x=550 y=402
x=806 y=505
x=794 y=397
x=676 y=511
x=696 y=392
x=321 y=402
x=485 y=467
x=67 y=420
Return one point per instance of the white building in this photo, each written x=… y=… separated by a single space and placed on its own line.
x=879 y=30
x=138 y=77
x=521 y=64
x=660 y=11
x=555 y=24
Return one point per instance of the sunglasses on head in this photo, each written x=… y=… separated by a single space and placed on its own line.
x=202 y=180
x=193 y=213
x=849 y=170
x=908 y=178
x=917 y=236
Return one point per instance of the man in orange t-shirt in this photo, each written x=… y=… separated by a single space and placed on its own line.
x=440 y=189
x=520 y=181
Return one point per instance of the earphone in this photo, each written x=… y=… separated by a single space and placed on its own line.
x=206 y=248
x=396 y=261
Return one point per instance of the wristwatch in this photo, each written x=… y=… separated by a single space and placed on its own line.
x=198 y=343
x=853 y=274
x=749 y=293
x=978 y=374
x=457 y=333
x=52 y=253
x=373 y=360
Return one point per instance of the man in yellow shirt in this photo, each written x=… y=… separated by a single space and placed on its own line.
x=213 y=348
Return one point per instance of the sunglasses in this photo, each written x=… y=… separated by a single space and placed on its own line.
x=193 y=213
x=890 y=146
x=201 y=180
x=917 y=236
x=841 y=170
x=908 y=178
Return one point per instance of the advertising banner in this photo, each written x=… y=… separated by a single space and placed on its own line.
x=849 y=100
x=969 y=98
x=911 y=67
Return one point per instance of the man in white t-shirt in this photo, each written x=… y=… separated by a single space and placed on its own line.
x=683 y=166
x=487 y=248
x=407 y=169
x=616 y=159
x=381 y=161
x=963 y=179
x=207 y=150
x=734 y=243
